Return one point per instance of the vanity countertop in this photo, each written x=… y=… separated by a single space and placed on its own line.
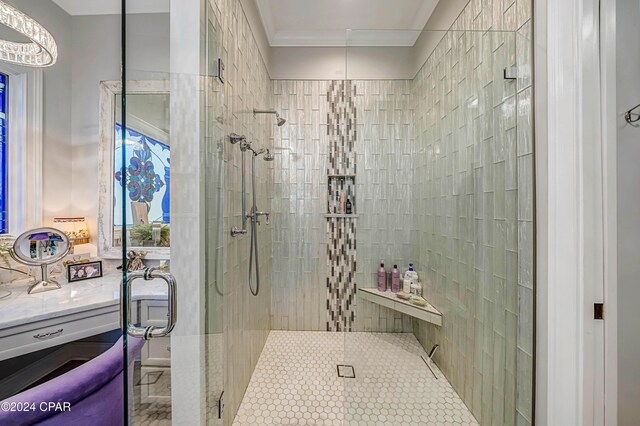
x=21 y=308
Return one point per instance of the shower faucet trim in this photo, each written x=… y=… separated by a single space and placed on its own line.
x=257 y=214
x=234 y=138
x=254 y=214
x=279 y=120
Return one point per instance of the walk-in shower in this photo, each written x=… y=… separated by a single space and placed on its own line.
x=253 y=214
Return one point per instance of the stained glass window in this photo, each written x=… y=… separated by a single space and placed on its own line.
x=147 y=168
x=4 y=112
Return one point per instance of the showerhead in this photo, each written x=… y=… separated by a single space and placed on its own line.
x=279 y=120
x=269 y=156
x=260 y=151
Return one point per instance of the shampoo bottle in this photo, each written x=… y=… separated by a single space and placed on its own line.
x=395 y=279
x=382 y=278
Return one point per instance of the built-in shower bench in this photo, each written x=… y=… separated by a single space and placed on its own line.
x=389 y=299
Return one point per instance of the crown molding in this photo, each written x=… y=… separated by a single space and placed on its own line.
x=351 y=38
x=267 y=19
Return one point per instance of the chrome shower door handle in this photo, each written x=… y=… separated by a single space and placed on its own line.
x=150 y=331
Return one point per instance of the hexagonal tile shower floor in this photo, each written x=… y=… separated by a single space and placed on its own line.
x=296 y=383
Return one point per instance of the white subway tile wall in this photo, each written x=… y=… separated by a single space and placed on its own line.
x=246 y=321
x=473 y=208
x=299 y=251
x=383 y=188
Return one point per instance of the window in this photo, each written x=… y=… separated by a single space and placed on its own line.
x=4 y=175
x=147 y=169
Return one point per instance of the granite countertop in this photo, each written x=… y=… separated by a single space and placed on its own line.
x=21 y=308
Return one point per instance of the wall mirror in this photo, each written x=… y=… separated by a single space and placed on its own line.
x=147 y=156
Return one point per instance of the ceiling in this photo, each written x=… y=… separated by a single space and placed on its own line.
x=307 y=22
x=112 y=7
x=326 y=22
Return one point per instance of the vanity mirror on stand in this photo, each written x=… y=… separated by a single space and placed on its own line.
x=41 y=247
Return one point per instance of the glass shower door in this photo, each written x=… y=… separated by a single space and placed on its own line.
x=167 y=204
x=441 y=183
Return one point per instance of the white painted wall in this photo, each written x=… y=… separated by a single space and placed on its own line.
x=357 y=63
x=96 y=57
x=330 y=63
x=57 y=198
x=628 y=95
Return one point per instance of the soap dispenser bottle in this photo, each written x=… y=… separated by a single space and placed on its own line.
x=382 y=278
x=409 y=278
x=395 y=279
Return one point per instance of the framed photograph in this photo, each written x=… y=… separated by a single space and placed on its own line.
x=84 y=271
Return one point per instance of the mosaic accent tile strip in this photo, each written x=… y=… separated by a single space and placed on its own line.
x=341 y=127
x=341 y=233
x=341 y=279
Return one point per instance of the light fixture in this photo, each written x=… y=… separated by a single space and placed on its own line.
x=75 y=228
x=41 y=51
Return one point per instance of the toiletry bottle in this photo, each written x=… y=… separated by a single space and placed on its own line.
x=343 y=198
x=395 y=279
x=416 y=289
x=408 y=279
x=406 y=284
x=382 y=278
x=414 y=274
x=349 y=209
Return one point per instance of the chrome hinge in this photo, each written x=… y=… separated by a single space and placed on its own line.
x=511 y=73
x=219 y=71
x=221 y=405
x=598 y=311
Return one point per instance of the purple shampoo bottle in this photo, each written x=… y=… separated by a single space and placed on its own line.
x=395 y=279
x=382 y=278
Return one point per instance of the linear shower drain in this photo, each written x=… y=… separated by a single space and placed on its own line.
x=346 y=371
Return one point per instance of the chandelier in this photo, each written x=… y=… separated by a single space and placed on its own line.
x=41 y=51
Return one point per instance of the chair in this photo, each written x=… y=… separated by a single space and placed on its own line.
x=94 y=391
